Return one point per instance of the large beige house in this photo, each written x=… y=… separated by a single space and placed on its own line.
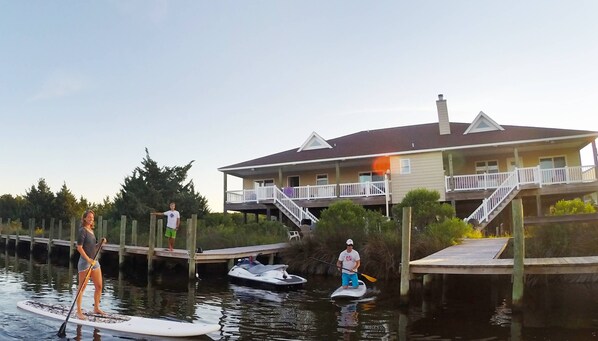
x=478 y=167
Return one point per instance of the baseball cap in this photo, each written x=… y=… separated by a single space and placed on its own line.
x=349 y=241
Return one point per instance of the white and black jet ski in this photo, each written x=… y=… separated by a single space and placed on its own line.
x=250 y=271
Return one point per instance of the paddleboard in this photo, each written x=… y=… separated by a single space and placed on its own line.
x=350 y=292
x=121 y=323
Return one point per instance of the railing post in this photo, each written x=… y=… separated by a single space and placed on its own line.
x=151 y=243
x=405 y=252
x=121 y=249
x=192 y=232
x=538 y=171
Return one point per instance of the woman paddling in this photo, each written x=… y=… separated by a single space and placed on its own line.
x=86 y=245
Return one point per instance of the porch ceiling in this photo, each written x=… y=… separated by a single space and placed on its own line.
x=302 y=167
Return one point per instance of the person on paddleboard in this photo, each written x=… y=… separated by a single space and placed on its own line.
x=348 y=263
x=86 y=245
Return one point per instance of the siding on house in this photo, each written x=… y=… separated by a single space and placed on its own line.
x=427 y=171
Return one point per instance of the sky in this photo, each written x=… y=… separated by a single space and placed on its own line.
x=86 y=86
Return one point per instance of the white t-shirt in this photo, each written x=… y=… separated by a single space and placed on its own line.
x=172 y=218
x=349 y=260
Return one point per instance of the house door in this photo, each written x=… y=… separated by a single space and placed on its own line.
x=293 y=181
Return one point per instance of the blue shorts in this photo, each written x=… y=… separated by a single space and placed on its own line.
x=350 y=278
x=84 y=266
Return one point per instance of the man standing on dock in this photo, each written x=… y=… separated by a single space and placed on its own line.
x=172 y=224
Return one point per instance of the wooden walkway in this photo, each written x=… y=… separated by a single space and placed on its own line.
x=479 y=257
x=208 y=256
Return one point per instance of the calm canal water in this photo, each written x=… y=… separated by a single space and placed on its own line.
x=467 y=308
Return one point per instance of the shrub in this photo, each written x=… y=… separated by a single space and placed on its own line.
x=575 y=206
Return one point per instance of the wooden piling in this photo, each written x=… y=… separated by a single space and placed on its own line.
x=134 y=233
x=99 y=227
x=31 y=233
x=72 y=243
x=518 y=254
x=51 y=237
x=151 y=243
x=191 y=235
x=405 y=252
x=160 y=233
x=105 y=229
x=121 y=249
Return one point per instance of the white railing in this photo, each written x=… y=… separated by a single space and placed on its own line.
x=529 y=175
x=362 y=189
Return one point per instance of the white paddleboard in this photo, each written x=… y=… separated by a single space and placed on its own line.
x=121 y=323
x=350 y=292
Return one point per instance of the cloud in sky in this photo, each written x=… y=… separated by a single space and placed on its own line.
x=60 y=84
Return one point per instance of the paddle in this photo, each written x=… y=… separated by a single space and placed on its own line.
x=369 y=278
x=62 y=330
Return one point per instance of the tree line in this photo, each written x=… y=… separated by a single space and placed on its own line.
x=150 y=188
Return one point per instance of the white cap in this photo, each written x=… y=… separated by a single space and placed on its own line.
x=349 y=241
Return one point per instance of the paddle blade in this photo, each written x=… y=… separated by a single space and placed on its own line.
x=369 y=278
x=62 y=330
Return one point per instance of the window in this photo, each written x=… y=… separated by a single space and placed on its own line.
x=263 y=183
x=553 y=162
x=370 y=177
x=321 y=179
x=405 y=166
x=489 y=167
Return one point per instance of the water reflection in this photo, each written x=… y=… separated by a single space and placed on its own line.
x=460 y=308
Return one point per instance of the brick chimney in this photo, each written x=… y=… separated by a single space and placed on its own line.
x=443 y=120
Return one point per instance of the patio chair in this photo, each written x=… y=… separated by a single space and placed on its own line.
x=293 y=235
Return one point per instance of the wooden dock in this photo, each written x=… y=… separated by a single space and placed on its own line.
x=208 y=256
x=480 y=257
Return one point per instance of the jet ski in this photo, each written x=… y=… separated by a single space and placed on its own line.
x=251 y=271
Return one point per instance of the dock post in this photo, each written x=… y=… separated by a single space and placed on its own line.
x=405 y=252
x=160 y=233
x=51 y=237
x=134 y=233
x=72 y=243
x=31 y=233
x=105 y=229
x=151 y=242
x=427 y=283
x=518 y=254
x=271 y=259
x=192 y=234
x=99 y=227
x=121 y=249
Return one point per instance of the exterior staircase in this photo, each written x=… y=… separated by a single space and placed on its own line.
x=286 y=205
x=496 y=202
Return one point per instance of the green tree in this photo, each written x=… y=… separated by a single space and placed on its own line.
x=12 y=207
x=425 y=208
x=40 y=201
x=66 y=204
x=151 y=188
